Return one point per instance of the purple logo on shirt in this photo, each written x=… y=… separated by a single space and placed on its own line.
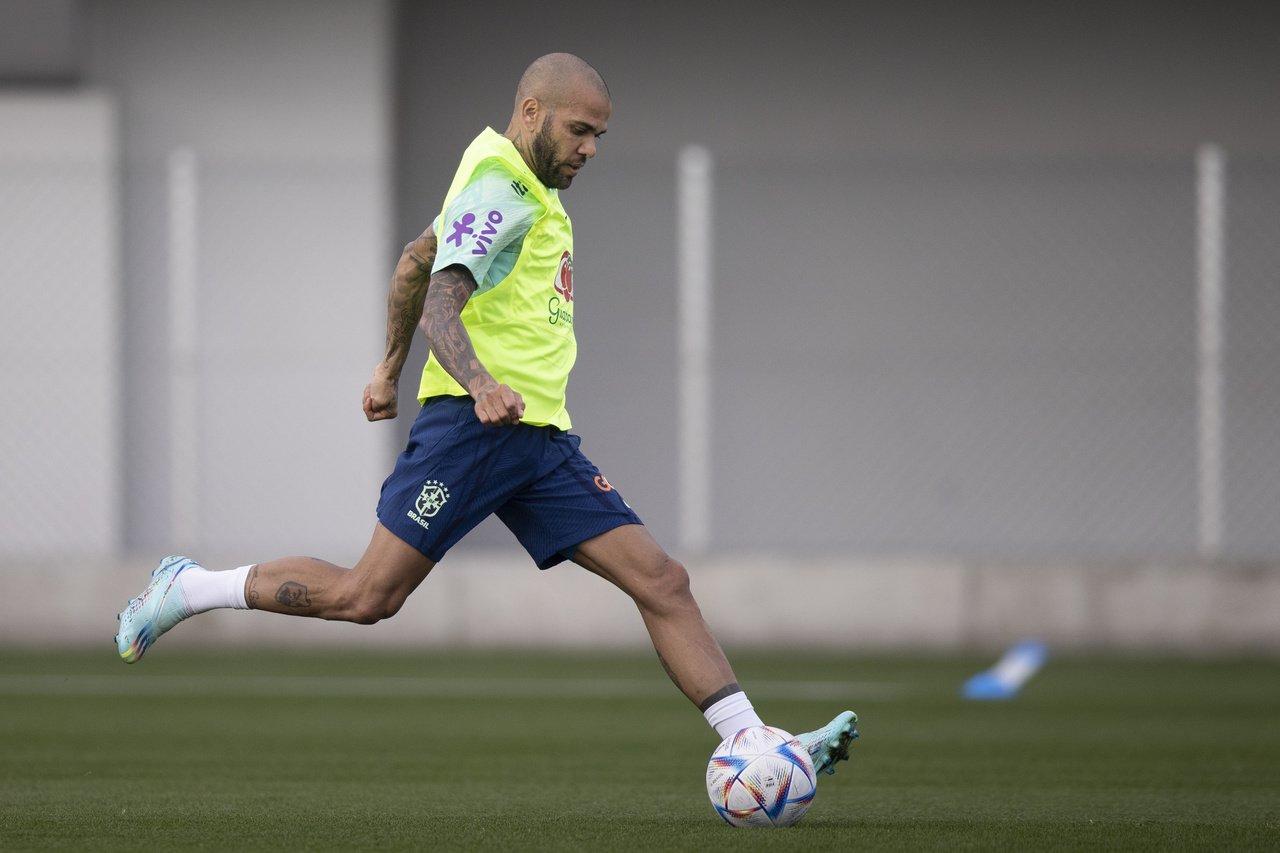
x=461 y=227
x=485 y=238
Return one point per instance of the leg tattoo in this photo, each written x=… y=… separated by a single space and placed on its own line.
x=292 y=594
x=671 y=673
x=251 y=588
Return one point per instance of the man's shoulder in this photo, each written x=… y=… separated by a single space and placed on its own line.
x=496 y=186
x=495 y=178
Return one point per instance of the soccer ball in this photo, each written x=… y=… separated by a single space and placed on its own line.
x=761 y=776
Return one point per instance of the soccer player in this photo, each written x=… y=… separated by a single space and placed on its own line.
x=491 y=283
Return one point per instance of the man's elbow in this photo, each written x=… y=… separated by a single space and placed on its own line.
x=437 y=313
x=423 y=247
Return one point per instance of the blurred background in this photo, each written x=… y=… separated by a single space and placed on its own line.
x=986 y=346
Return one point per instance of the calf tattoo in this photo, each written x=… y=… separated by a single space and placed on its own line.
x=251 y=589
x=292 y=594
x=671 y=673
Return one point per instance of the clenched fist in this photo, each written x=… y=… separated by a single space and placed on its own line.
x=499 y=404
x=380 y=397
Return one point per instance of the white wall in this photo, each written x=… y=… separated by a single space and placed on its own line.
x=60 y=474
x=285 y=105
x=499 y=599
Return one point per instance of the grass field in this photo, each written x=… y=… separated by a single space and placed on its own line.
x=520 y=751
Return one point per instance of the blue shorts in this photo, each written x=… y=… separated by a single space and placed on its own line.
x=455 y=472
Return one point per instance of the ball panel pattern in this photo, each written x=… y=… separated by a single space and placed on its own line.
x=761 y=776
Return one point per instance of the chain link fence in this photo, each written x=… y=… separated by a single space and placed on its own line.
x=291 y=268
x=993 y=358
x=59 y=434
x=1252 y=359
x=288 y=262
x=975 y=358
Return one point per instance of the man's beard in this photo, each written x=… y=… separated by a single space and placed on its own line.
x=543 y=151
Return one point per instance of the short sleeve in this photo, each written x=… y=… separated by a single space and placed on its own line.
x=492 y=214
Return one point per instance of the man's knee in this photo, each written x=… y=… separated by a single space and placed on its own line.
x=665 y=586
x=369 y=611
x=368 y=607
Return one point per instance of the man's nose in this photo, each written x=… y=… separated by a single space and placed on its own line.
x=588 y=148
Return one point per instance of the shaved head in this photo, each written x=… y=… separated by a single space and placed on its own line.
x=562 y=109
x=555 y=79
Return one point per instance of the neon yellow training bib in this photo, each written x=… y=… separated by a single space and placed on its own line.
x=520 y=320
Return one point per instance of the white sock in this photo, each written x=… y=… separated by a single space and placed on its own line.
x=206 y=590
x=732 y=714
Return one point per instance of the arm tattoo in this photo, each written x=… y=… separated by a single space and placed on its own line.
x=423 y=265
x=449 y=291
x=404 y=300
x=293 y=594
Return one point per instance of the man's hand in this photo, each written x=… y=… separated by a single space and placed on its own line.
x=380 y=396
x=499 y=404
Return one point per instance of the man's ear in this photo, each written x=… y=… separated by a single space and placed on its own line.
x=530 y=110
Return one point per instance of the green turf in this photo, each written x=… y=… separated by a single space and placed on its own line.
x=1133 y=754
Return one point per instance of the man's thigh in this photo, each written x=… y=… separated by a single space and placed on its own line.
x=390 y=568
x=566 y=504
x=452 y=475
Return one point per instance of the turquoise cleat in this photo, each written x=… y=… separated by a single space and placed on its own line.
x=830 y=743
x=155 y=611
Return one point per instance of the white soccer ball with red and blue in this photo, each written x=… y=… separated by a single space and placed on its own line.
x=761 y=776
